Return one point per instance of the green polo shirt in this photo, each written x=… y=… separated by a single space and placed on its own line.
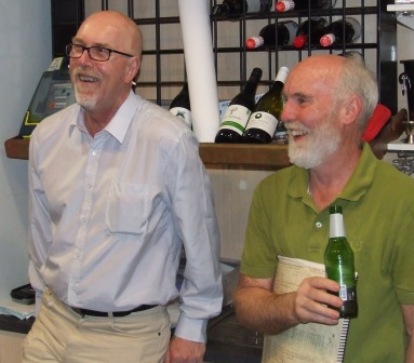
x=378 y=208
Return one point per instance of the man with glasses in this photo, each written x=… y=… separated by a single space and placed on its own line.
x=117 y=188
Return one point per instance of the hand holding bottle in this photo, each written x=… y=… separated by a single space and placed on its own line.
x=315 y=299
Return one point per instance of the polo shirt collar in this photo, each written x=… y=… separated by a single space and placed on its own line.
x=357 y=186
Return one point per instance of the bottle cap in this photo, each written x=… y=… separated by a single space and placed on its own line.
x=282 y=74
x=300 y=41
x=254 y=42
x=284 y=5
x=327 y=40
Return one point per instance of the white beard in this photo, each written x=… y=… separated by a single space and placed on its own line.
x=318 y=145
x=87 y=102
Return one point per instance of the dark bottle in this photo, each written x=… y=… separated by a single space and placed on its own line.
x=341 y=31
x=237 y=7
x=310 y=32
x=237 y=113
x=339 y=263
x=180 y=105
x=284 y=31
x=288 y=5
x=281 y=135
x=265 y=117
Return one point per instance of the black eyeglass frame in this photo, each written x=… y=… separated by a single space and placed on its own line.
x=69 y=47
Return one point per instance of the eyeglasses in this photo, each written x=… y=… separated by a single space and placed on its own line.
x=96 y=52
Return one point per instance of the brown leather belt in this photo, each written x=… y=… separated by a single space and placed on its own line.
x=84 y=312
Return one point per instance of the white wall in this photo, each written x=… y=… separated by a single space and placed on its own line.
x=25 y=51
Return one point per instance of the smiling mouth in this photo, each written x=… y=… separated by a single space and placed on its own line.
x=296 y=134
x=88 y=79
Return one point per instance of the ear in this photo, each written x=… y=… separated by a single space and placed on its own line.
x=351 y=109
x=132 y=69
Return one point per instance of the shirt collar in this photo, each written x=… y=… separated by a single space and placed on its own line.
x=358 y=184
x=121 y=121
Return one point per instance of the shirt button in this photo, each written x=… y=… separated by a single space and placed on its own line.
x=318 y=225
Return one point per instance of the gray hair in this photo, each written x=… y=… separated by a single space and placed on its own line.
x=359 y=80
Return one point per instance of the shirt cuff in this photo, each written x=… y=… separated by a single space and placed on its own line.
x=191 y=329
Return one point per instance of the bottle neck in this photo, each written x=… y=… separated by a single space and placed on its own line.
x=336 y=225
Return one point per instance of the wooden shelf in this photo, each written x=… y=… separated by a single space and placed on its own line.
x=244 y=156
x=17 y=148
x=214 y=156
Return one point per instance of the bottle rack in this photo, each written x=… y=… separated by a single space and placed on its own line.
x=377 y=44
x=160 y=81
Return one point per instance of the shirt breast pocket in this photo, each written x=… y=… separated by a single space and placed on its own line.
x=127 y=208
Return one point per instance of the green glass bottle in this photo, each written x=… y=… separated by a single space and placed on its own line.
x=339 y=263
x=263 y=121
x=238 y=112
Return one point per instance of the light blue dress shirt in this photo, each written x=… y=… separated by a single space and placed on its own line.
x=109 y=214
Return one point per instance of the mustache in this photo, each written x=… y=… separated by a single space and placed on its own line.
x=296 y=126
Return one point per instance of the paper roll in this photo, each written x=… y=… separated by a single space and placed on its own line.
x=199 y=59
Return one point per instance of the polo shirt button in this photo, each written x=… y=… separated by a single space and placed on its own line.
x=318 y=224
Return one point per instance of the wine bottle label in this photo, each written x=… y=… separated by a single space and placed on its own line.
x=235 y=118
x=263 y=121
x=182 y=113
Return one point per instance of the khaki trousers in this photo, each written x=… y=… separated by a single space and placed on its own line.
x=61 y=335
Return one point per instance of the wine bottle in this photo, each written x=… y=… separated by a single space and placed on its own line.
x=265 y=117
x=237 y=113
x=288 y=5
x=344 y=30
x=237 y=7
x=281 y=134
x=310 y=32
x=339 y=263
x=180 y=105
x=285 y=31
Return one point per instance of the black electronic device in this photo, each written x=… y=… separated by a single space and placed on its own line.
x=53 y=93
x=24 y=294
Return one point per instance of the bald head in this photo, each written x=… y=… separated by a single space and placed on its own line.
x=342 y=76
x=115 y=29
x=325 y=70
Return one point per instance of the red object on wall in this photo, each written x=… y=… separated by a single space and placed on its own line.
x=378 y=120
